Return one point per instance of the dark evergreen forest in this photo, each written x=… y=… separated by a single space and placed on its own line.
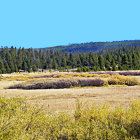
x=14 y=60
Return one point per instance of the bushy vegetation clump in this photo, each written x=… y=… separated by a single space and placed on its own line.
x=64 y=83
x=68 y=82
x=19 y=120
x=122 y=80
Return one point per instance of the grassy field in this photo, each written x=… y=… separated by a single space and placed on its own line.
x=91 y=106
x=64 y=99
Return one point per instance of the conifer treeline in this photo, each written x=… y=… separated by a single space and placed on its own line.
x=14 y=60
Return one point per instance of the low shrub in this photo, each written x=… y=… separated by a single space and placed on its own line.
x=19 y=120
x=91 y=82
x=60 y=84
x=117 y=79
x=17 y=86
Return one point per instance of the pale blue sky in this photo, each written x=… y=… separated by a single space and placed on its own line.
x=45 y=23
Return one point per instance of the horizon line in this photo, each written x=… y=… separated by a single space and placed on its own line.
x=5 y=46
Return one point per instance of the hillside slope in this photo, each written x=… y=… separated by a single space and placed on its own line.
x=94 y=46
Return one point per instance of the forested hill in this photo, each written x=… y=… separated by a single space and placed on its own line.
x=94 y=46
x=15 y=60
x=111 y=56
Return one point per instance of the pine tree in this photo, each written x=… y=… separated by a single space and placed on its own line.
x=11 y=65
x=79 y=69
x=63 y=62
x=130 y=63
x=34 y=68
x=107 y=65
x=101 y=62
x=54 y=65
x=8 y=70
x=2 y=68
x=16 y=68
x=24 y=66
x=114 y=66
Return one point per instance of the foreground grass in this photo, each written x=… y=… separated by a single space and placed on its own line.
x=19 y=120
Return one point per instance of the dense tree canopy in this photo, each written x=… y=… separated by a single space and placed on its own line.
x=14 y=60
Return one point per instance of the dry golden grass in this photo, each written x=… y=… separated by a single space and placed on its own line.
x=31 y=76
x=18 y=77
x=72 y=75
x=64 y=99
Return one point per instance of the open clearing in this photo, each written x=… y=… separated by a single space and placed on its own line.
x=64 y=99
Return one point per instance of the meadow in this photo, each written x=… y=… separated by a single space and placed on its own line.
x=64 y=105
x=65 y=88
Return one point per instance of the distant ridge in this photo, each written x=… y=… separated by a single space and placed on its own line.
x=93 y=46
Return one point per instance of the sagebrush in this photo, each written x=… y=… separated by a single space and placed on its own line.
x=63 y=83
x=19 y=120
x=117 y=79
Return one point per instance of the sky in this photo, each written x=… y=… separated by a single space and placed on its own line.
x=46 y=23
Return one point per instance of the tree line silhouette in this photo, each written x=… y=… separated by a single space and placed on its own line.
x=15 y=60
